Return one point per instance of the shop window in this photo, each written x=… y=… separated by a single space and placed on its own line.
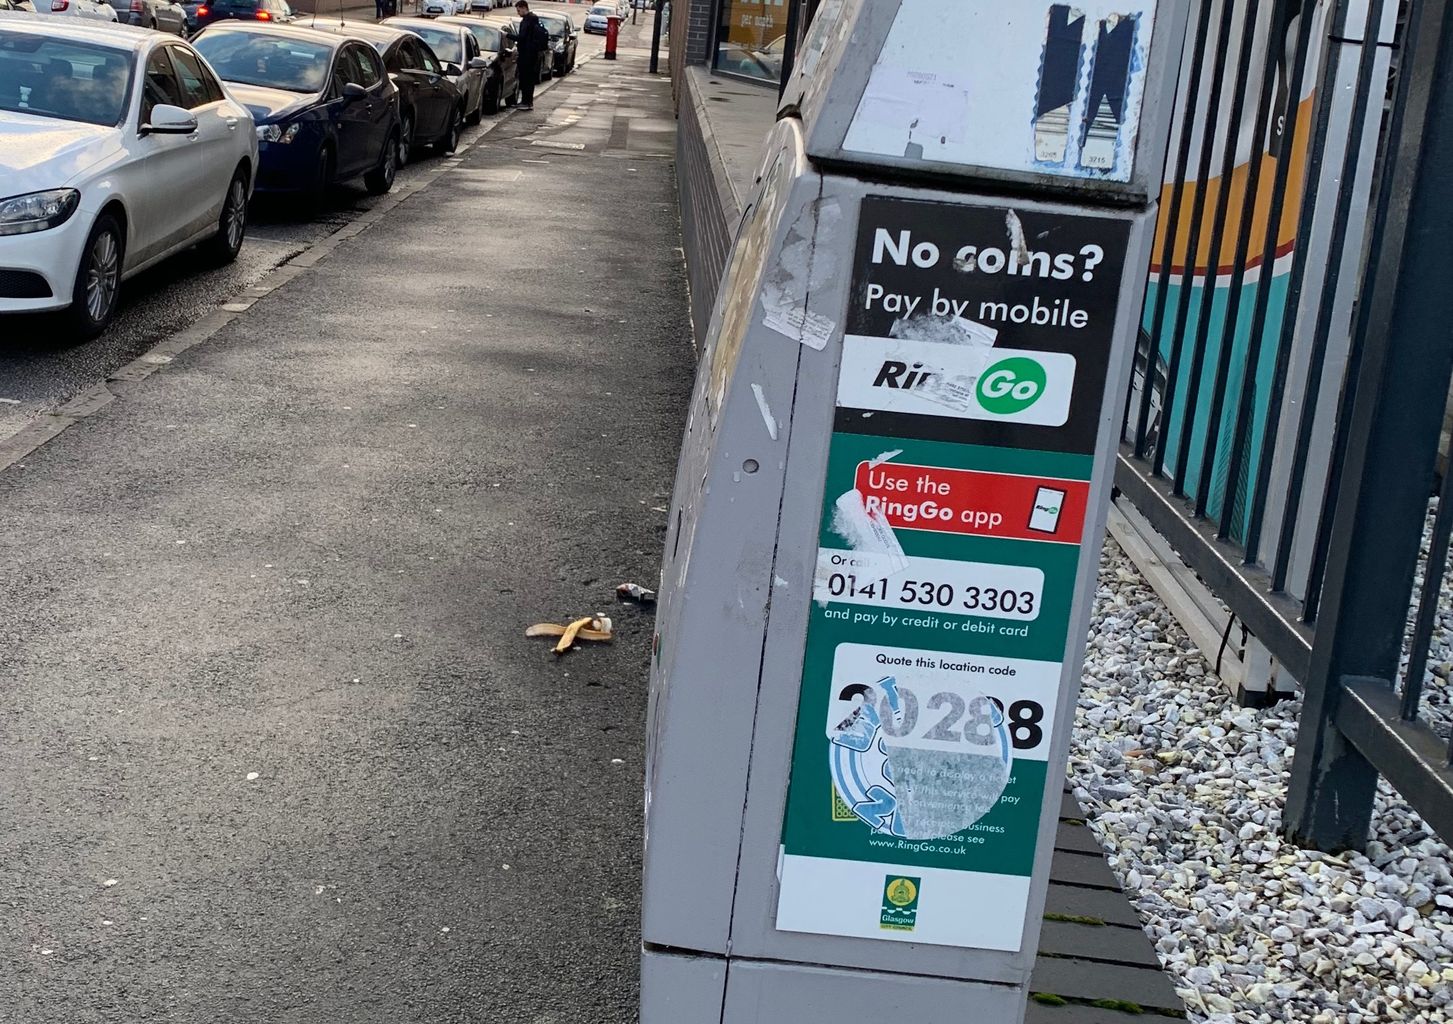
x=752 y=38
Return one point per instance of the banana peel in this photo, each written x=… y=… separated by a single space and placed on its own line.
x=596 y=627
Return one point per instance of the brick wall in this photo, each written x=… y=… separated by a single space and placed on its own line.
x=690 y=37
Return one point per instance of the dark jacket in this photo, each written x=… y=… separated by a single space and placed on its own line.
x=532 y=34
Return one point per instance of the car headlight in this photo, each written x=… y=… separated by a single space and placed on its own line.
x=278 y=133
x=37 y=211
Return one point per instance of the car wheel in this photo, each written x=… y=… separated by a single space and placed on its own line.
x=381 y=178
x=98 y=280
x=450 y=142
x=406 y=139
x=232 y=226
x=322 y=176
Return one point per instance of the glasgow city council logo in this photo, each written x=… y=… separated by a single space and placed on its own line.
x=900 y=903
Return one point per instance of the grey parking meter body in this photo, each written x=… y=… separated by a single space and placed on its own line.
x=888 y=513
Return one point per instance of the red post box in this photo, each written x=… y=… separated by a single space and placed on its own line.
x=612 y=36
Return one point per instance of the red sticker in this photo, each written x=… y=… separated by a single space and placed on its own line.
x=980 y=504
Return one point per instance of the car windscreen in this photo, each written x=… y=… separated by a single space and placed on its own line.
x=60 y=78
x=555 y=26
x=234 y=5
x=443 y=41
x=604 y=10
x=488 y=38
x=261 y=58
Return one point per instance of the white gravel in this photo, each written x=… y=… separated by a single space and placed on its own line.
x=1436 y=706
x=1185 y=790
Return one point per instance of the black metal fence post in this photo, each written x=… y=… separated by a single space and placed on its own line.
x=656 y=37
x=1403 y=360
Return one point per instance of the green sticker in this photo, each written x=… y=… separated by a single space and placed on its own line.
x=900 y=903
x=1011 y=386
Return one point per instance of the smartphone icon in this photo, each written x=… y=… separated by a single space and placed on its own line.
x=1044 y=517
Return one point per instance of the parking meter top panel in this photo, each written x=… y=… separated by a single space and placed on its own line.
x=1038 y=93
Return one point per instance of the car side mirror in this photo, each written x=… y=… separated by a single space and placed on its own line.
x=478 y=64
x=452 y=70
x=354 y=91
x=169 y=120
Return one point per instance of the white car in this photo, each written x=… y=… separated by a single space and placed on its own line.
x=597 y=19
x=118 y=147
x=87 y=9
x=440 y=8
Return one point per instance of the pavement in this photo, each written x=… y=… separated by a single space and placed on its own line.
x=39 y=371
x=273 y=744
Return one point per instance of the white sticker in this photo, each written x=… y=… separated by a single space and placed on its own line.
x=807 y=328
x=932 y=107
x=867 y=531
x=965 y=382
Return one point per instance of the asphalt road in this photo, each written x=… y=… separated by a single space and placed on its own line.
x=39 y=371
x=273 y=745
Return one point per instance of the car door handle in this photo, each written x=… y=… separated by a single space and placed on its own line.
x=231 y=124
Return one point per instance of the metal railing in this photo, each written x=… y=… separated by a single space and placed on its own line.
x=1282 y=428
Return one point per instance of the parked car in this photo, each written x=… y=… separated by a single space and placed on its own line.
x=564 y=42
x=597 y=19
x=456 y=47
x=191 y=7
x=502 y=86
x=162 y=15
x=430 y=110
x=17 y=6
x=86 y=10
x=326 y=109
x=442 y=8
x=118 y=148
x=273 y=11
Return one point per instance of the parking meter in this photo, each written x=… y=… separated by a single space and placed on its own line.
x=888 y=513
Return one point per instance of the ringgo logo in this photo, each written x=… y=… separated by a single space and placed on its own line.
x=1011 y=386
x=971 y=382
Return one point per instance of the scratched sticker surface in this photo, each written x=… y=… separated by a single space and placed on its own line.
x=1055 y=88
x=969 y=400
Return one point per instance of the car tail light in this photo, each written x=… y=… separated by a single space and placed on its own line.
x=59 y=5
x=264 y=16
x=203 y=11
x=137 y=7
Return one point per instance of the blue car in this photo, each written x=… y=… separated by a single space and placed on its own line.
x=325 y=108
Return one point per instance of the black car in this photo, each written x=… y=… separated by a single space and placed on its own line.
x=502 y=88
x=325 y=107
x=274 y=12
x=430 y=108
x=564 y=42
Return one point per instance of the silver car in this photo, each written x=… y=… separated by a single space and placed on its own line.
x=163 y=15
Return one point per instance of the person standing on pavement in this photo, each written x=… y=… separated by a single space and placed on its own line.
x=534 y=40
